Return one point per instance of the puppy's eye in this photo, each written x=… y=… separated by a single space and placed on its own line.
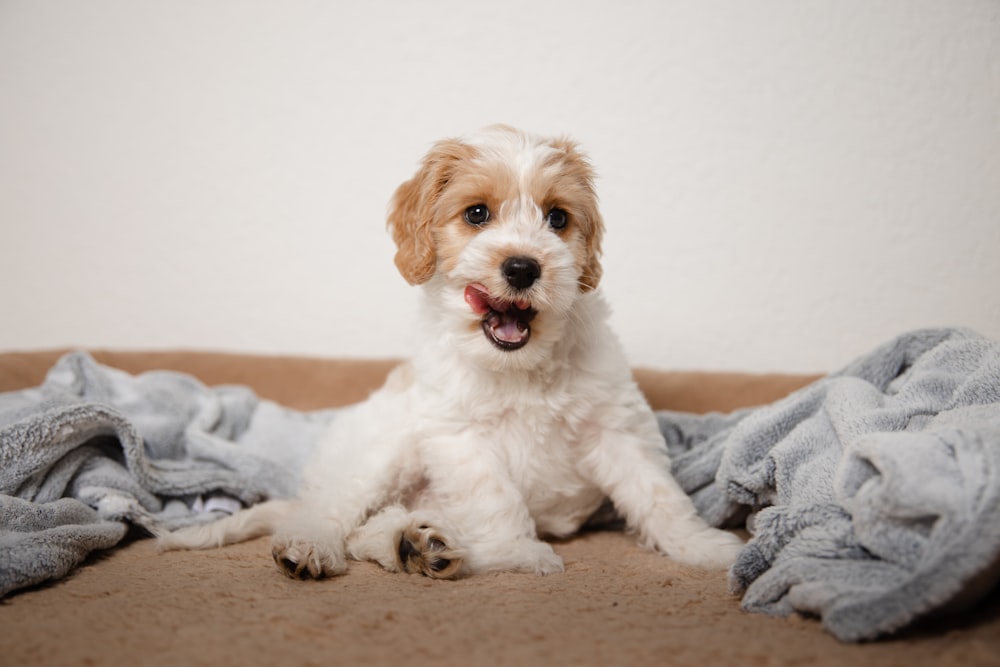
x=477 y=215
x=556 y=218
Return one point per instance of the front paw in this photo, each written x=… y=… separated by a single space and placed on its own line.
x=427 y=551
x=539 y=558
x=301 y=558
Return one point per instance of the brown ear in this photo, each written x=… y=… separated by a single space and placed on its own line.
x=591 y=223
x=592 y=269
x=411 y=211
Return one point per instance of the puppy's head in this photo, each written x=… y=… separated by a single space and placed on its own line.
x=504 y=229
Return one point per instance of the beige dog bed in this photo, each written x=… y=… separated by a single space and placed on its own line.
x=615 y=604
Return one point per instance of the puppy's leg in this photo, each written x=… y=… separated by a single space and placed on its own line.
x=400 y=541
x=310 y=544
x=516 y=553
x=312 y=541
x=252 y=522
x=631 y=466
x=486 y=509
x=302 y=545
x=358 y=466
x=378 y=538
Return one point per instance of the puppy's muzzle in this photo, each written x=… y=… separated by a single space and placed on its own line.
x=506 y=319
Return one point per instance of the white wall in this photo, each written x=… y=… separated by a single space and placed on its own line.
x=786 y=183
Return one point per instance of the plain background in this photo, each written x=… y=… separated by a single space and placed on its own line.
x=786 y=183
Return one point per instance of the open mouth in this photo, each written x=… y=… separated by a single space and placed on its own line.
x=507 y=324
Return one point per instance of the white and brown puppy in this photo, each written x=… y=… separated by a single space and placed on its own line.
x=517 y=415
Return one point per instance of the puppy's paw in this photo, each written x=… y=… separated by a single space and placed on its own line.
x=305 y=559
x=427 y=551
x=709 y=548
x=539 y=558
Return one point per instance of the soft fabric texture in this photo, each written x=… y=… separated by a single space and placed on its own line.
x=95 y=447
x=878 y=487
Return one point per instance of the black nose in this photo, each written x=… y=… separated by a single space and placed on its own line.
x=521 y=272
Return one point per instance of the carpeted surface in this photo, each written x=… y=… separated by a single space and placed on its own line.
x=615 y=604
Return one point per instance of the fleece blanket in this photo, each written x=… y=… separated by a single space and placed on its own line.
x=872 y=495
x=95 y=450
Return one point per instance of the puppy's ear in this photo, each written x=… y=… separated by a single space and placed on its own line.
x=591 y=224
x=411 y=211
x=592 y=269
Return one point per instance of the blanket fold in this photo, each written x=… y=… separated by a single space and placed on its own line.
x=94 y=449
x=874 y=492
x=872 y=495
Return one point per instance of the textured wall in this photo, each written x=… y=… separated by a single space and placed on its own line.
x=786 y=184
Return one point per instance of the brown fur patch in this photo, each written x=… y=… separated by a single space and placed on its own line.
x=567 y=182
x=410 y=219
x=473 y=182
x=424 y=550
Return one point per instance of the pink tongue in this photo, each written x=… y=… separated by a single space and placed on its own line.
x=478 y=299
x=506 y=328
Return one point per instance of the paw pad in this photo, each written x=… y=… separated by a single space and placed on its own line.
x=422 y=550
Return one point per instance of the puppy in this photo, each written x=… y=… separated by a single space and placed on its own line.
x=517 y=416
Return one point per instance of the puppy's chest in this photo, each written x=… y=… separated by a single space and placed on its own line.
x=534 y=443
x=542 y=454
x=538 y=438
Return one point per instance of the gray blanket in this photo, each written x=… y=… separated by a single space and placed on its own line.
x=873 y=495
x=94 y=449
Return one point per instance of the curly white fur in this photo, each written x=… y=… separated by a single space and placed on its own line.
x=517 y=415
